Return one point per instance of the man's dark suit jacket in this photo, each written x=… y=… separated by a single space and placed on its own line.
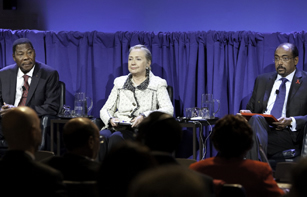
x=297 y=99
x=74 y=167
x=44 y=92
x=22 y=176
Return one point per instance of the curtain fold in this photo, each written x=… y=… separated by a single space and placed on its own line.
x=221 y=63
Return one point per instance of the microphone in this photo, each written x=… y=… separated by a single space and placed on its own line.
x=277 y=91
x=23 y=88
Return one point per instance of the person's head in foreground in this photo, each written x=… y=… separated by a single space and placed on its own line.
x=232 y=136
x=21 y=129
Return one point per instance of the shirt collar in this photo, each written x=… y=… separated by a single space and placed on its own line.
x=289 y=77
x=21 y=74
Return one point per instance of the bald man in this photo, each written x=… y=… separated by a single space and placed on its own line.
x=20 y=174
x=81 y=139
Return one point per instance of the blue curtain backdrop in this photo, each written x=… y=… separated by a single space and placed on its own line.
x=224 y=64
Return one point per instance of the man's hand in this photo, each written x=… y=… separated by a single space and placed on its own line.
x=137 y=120
x=282 y=123
x=5 y=107
x=244 y=111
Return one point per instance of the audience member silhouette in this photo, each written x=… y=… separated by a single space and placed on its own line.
x=162 y=134
x=21 y=175
x=121 y=165
x=299 y=179
x=170 y=181
x=232 y=137
x=81 y=139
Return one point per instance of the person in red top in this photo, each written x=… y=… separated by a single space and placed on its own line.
x=232 y=137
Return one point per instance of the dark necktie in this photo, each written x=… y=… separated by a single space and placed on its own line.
x=280 y=99
x=25 y=89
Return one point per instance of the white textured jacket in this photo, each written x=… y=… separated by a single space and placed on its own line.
x=126 y=104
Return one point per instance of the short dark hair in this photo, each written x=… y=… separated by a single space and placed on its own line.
x=160 y=132
x=76 y=135
x=292 y=47
x=21 y=41
x=232 y=136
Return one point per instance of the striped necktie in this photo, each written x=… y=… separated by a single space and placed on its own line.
x=25 y=89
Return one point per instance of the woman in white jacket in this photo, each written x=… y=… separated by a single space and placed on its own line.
x=132 y=98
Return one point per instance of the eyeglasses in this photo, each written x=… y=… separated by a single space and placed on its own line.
x=284 y=59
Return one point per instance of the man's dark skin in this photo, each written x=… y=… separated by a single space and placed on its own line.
x=24 y=56
x=283 y=68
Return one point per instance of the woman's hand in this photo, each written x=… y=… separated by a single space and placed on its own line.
x=113 y=122
x=136 y=121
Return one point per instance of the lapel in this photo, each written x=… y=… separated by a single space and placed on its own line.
x=268 y=89
x=295 y=85
x=12 y=84
x=35 y=79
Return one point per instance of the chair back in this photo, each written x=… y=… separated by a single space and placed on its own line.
x=45 y=120
x=170 y=92
x=185 y=162
x=81 y=189
x=232 y=190
x=283 y=171
x=304 y=144
x=62 y=95
x=41 y=155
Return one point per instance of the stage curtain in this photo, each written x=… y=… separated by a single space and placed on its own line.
x=221 y=63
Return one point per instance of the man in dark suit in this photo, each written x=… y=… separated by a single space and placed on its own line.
x=28 y=83
x=21 y=175
x=287 y=132
x=81 y=139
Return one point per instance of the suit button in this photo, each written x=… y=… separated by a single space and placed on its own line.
x=133 y=104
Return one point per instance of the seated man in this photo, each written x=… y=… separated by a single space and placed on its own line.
x=232 y=137
x=283 y=94
x=28 y=83
x=21 y=175
x=81 y=139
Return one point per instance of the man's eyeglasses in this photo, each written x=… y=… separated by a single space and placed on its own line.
x=284 y=59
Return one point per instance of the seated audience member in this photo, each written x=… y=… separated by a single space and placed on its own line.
x=28 y=83
x=81 y=139
x=299 y=179
x=133 y=97
x=170 y=181
x=121 y=165
x=162 y=134
x=20 y=174
x=233 y=137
